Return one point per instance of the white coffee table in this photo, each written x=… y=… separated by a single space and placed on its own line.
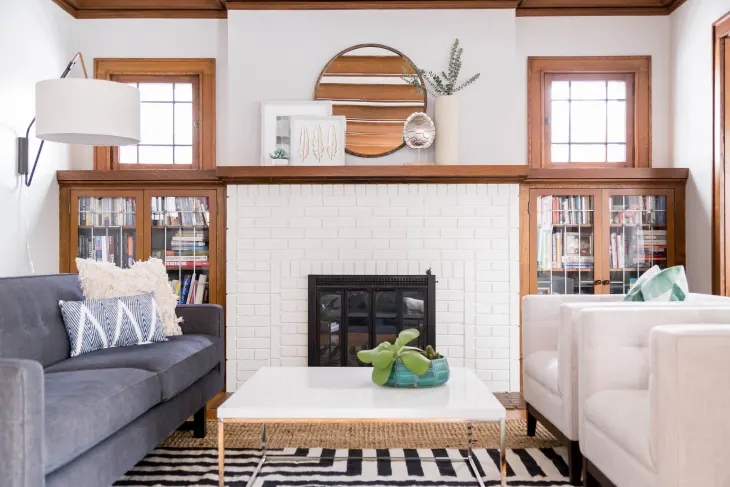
x=347 y=394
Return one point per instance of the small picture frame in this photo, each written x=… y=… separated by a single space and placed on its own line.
x=276 y=124
x=317 y=141
x=578 y=244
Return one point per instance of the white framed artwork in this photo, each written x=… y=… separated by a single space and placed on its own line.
x=275 y=123
x=318 y=141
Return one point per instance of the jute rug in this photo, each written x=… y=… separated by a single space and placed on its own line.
x=339 y=455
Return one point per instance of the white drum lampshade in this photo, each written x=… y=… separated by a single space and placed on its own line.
x=87 y=111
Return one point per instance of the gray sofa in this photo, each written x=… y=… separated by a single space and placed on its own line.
x=85 y=421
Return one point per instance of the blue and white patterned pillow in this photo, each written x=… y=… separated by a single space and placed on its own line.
x=94 y=324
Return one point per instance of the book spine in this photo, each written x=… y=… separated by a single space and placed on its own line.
x=185 y=289
x=200 y=289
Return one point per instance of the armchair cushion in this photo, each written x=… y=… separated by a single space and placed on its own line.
x=543 y=367
x=623 y=416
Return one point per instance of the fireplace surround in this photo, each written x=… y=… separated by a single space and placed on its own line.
x=348 y=313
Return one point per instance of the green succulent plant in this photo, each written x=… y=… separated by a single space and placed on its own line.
x=385 y=355
x=279 y=154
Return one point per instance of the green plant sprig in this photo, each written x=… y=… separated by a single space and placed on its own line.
x=385 y=355
x=279 y=154
x=443 y=84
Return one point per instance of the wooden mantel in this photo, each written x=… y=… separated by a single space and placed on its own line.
x=411 y=174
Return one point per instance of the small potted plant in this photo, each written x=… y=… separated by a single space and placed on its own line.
x=398 y=365
x=279 y=157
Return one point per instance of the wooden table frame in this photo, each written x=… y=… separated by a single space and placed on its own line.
x=469 y=458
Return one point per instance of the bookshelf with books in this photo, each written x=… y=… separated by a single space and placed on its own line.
x=182 y=226
x=598 y=239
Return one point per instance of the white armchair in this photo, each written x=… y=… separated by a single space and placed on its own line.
x=654 y=388
x=550 y=326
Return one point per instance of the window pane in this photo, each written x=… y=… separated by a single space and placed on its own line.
x=183 y=123
x=155 y=91
x=183 y=154
x=128 y=154
x=616 y=121
x=559 y=153
x=156 y=123
x=560 y=121
x=588 y=121
x=588 y=90
x=587 y=153
x=155 y=154
x=616 y=152
x=617 y=90
x=560 y=90
x=183 y=92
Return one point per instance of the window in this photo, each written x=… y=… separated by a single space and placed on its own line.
x=177 y=125
x=589 y=112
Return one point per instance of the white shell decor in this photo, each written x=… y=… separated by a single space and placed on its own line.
x=304 y=144
x=318 y=145
x=419 y=131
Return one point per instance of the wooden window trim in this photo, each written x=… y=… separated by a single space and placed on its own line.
x=721 y=128
x=142 y=69
x=639 y=67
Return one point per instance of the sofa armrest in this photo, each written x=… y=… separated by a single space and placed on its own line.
x=201 y=319
x=21 y=423
x=689 y=395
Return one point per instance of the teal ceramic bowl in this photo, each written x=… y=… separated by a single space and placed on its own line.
x=436 y=375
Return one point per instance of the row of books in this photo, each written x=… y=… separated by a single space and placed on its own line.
x=637 y=249
x=638 y=210
x=564 y=249
x=174 y=210
x=191 y=289
x=570 y=210
x=116 y=249
x=107 y=212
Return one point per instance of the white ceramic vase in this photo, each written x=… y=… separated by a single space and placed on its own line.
x=447 y=129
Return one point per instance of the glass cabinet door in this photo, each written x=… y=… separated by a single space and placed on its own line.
x=180 y=236
x=564 y=244
x=106 y=228
x=637 y=239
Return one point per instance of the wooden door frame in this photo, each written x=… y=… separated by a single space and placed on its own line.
x=720 y=188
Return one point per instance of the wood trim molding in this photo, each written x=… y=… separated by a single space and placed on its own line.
x=538 y=67
x=203 y=68
x=720 y=75
x=366 y=4
x=625 y=174
x=151 y=14
x=68 y=7
x=142 y=176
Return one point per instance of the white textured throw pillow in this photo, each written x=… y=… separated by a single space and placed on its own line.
x=101 y=280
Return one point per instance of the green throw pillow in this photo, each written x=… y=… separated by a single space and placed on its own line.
x=655 y=285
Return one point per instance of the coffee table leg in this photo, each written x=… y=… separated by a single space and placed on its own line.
x=469 y=456
x=221 y=455
x=502 y=452
x=252 y=480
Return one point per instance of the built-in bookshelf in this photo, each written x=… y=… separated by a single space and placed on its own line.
x=181 y=238
x=107 y=229
x=597 y=240
x=182 y=226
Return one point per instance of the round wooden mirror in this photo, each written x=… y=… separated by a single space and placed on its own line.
x=365 y=85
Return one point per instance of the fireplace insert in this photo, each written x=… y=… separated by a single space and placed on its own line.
x=351 y=313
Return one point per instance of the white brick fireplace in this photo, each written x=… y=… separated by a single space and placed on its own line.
x=467 y=234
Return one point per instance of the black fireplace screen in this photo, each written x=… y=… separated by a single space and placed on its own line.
x=351 y=313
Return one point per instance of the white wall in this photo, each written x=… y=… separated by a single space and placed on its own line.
x=156 y=38
x=496 y=43
x=467 y=234
x=33 y=47
x=691 y=118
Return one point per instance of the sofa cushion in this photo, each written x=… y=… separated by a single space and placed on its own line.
x=623 y=416
x=31 y=326
x=179 y=362
x=84 y=407
x=543 y=367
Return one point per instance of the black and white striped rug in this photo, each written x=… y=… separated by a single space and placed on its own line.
x=178 y=467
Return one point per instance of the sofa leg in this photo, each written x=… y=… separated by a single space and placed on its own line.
x=531 y=423
x=199 y=423
x=588 y=479
x=575 y=463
